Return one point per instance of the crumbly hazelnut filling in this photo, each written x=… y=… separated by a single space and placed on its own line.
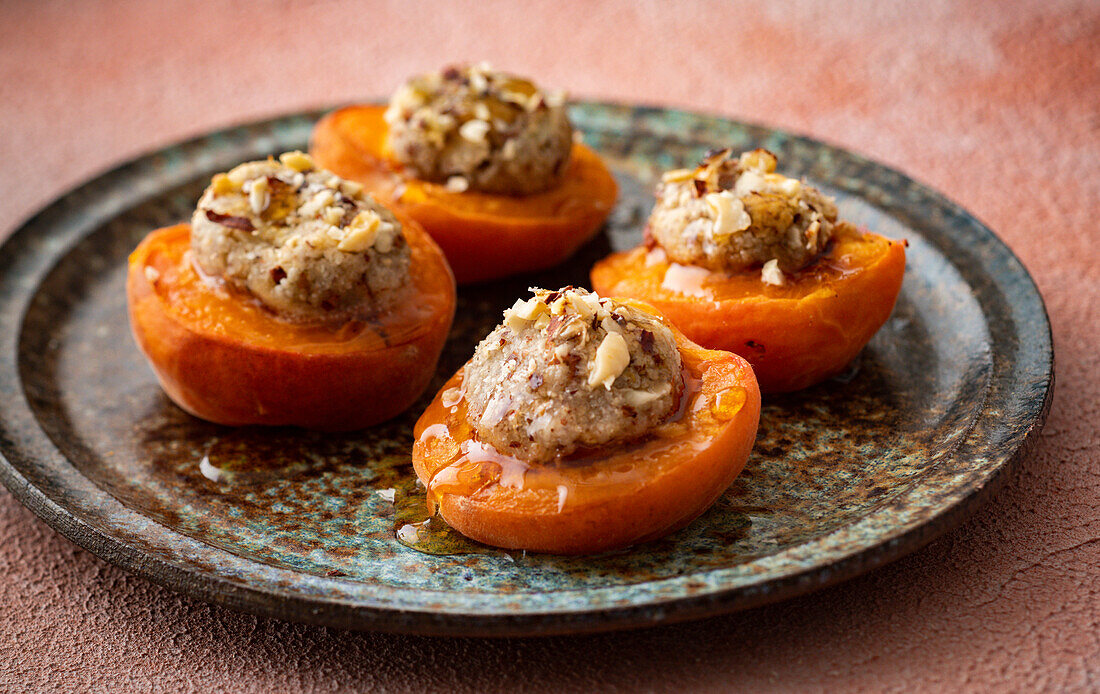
x=475 y=128
x=732 y=213
x=303 y=241
x=569 y=370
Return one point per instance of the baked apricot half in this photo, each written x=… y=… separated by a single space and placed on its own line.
x=601 y=499
x=794 y=334
x=220 y=355
x=484 y=235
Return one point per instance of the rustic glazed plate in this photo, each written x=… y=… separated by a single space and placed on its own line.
x=329 y=529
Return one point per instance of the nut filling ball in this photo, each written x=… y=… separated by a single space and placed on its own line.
x=474 y=128
x=304 y=242
x=731 y=214
x=567 y=371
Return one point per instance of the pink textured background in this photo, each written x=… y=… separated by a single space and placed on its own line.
x=995 y=103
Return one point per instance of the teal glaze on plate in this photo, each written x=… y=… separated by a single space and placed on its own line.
x=844 y=476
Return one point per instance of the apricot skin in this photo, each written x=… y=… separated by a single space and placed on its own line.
x=794 y=336
x=484 y=236
x=233 y=375
x=678 y=483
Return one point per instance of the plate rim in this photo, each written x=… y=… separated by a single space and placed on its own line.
x=338 y=612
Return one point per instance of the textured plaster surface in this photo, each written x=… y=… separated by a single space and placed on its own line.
x=997 y=104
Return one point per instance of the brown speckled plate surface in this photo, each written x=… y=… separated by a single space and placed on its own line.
x=844 y=477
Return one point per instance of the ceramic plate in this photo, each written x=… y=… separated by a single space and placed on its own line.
x=845 y=476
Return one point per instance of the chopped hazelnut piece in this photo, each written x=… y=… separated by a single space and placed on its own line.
x=612 y=357
x=299 y=161
x=474 y=130
x=771 y=274
x=677 y=175
x=222 y=184
x=457 y=184
x=259 y=195
x=730 y=216
x=361 y=232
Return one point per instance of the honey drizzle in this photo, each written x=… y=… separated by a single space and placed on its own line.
x=476 y=466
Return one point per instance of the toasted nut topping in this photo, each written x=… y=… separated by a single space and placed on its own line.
x=259 y=196
x=478 y=80
x=530 y=309
x=760 y=159
x=555 y=99
x=514 y=322
x=351 y=188
x=238 y=175
x=750 y=181
x=787 y=186
x=585 y=304
x=729 y=212
x=361 y=232
x=222 y=184
x=523 y=313
x=317 y=203
x=812 y=233
x=457 y=184
x=612 y=357
x=474 y=130
x=333 y=215
x=610 y=325
x=771 y=274
x=511 y=96
x=384 y=242
x=677 y=175
x=299 y=161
